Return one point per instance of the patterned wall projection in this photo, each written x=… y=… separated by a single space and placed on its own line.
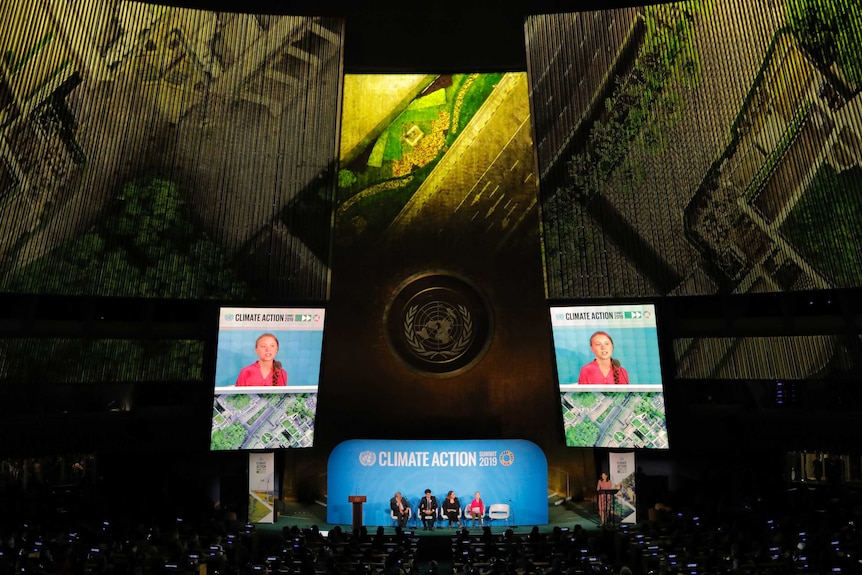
x=699 y=147
x=155 y=151
x=68 y=375
x=817 y=373
x=788 y=357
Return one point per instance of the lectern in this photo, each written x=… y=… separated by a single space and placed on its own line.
x=607 y=500
x=357 y=501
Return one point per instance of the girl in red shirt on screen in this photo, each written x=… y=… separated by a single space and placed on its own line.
x=266 y=371
x=604 y=369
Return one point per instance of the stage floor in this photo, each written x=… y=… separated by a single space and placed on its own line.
x=568 y=514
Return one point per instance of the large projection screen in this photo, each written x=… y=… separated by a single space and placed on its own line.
x=157 y=151
x=258 y=403
x=699 y=147
x=609 y=373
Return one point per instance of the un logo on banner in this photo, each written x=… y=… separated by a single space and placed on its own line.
x=507 y=458
x=439 y=324
x=367 y=458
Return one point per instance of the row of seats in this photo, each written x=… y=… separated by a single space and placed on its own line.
x=493 y=512
x=338 y=552
x=562 y=552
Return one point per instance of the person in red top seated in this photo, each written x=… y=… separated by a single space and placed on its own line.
x=604 y=369
x=266 y=371
x=477 y=509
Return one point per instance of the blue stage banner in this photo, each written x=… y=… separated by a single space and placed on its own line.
x=509 y=471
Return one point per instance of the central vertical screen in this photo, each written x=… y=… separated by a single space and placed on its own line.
x=266 y=377
x=609 y=373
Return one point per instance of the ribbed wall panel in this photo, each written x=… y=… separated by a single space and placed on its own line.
x=166 y=152
x=98 y=361
x=694 y=148
x=770 y=358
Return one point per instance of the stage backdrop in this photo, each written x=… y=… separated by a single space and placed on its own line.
x=512 y=471
x=261 y=487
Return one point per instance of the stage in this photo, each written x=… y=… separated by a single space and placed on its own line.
x=566 y=514
x=429 y=548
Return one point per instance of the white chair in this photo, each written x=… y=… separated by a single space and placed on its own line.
x=498 y=511
x=420 y=517
x=395 y=517
x=468 y=516
x=441 y=515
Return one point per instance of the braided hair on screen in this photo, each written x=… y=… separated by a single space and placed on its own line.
x=276 y=365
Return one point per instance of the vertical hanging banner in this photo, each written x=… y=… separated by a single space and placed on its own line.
x=511 y=472
x=261 y=487
x=622 y=467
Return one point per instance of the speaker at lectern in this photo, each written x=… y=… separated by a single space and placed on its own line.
x=357 y=501
x=606 y=502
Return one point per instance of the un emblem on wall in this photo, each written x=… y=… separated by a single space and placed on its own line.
x=367 y=458
x=439 y=324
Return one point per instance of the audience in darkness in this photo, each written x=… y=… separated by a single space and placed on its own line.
x=71 y=529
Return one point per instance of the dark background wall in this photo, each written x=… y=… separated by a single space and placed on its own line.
x=739 y=425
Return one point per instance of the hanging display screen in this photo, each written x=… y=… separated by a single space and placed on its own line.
x=266 y=377
x=609 y=373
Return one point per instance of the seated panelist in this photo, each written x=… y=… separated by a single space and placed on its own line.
x=428 y=511
x=400 y=509
x=452 y=509
x=477 y=509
